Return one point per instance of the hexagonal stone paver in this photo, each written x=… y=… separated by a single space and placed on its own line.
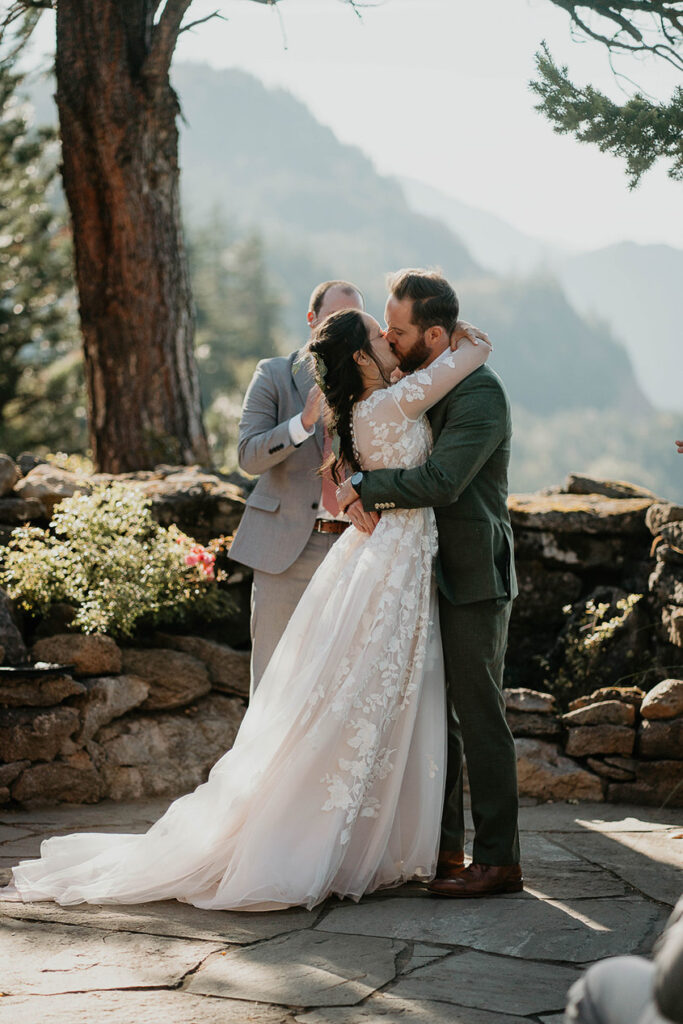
x=573 y=930
x=557 y=817
x=304 y=969
x=571 y=882
x=422 y=955
x=490 y=983
x=552 y=870
x=129 y=817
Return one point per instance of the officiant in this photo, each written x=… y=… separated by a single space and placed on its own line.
x=291 y=518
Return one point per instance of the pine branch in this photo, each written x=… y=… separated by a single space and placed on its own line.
x=638 y=131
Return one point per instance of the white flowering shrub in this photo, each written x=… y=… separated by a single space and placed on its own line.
x=106 y=555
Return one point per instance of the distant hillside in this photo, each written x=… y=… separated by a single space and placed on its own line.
x=326 y=212
x=493 y=242
x=323 y=211
x=636 y=289
x=261 y=154
x=549 y=357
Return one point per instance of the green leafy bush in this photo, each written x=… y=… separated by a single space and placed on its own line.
x=605 y=642
x=106 y=555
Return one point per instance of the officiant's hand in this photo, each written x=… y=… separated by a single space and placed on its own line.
x=679 y=445
x=312 y=408
x=463 y=330
x=362 y=520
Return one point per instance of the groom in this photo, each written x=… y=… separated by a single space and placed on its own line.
x=465 y=481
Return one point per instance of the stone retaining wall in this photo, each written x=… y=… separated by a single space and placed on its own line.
x=617 y=743
x=122 y=723
x=131 y=722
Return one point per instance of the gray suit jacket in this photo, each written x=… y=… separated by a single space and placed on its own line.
x=280 y=511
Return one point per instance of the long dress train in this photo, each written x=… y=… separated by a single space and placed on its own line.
x=335 y=781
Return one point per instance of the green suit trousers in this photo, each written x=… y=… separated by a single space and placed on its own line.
x=474 y=642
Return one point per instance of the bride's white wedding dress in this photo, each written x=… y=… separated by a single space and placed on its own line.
x=335 y=781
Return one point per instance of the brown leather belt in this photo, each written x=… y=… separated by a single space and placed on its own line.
x=329 y=526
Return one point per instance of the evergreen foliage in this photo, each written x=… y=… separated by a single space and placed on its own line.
x=236 y=307
x=640 y=130
x=41 y=399
x=237 y=313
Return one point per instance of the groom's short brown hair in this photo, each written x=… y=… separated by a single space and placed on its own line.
x=434 y=300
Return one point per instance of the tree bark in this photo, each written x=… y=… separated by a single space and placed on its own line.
x=117 y=114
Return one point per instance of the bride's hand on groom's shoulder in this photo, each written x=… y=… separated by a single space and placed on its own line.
x=464 y=331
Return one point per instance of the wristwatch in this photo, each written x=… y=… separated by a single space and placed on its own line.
x=356 y=481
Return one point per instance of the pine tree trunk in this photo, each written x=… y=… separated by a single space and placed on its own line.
x=117 y=114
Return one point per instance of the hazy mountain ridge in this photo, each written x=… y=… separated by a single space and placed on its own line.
x=638 y=290
x=323 y=211
x=326 y=212
x=293 y=179
x=634 y=288
x=493 y=242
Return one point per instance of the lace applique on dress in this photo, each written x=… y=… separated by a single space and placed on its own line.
x=394 y=637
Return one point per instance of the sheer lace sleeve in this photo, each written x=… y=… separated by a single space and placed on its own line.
x=419 y=391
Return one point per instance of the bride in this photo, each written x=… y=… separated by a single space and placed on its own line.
x=335 y=782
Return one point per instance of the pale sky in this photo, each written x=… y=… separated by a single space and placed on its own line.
x=437 y=90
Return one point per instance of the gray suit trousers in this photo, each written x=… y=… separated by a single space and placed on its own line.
x=274 y=596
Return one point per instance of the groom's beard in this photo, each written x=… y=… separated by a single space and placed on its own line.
x=415 y=356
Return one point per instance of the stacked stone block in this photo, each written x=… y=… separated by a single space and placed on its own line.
x=632 y=740
x=119 y=723
x=543 y=772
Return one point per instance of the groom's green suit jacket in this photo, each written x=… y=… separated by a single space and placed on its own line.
x=465 y=480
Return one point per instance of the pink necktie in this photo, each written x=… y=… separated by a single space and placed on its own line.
x=329 y=486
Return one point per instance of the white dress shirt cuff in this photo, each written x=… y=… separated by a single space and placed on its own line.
x=297 y=431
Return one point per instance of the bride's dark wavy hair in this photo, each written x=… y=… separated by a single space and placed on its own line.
x=332 y=349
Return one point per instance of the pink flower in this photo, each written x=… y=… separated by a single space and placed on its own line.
x=198 y=555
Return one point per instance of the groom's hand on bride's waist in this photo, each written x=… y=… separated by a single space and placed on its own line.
x=362 y=520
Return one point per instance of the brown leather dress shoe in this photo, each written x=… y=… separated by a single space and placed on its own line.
x=480 y=880
x=450 y=863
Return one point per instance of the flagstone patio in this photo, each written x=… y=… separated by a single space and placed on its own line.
x=600 y=880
